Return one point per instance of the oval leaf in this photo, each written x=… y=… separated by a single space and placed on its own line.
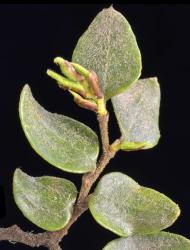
x=124 y=207
x=137 y=112
x=158 y=241
x=46 y=201
x=110 y=49
x=63 y=142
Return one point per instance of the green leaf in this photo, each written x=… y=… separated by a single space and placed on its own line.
x=63 y=142
x=137 y=112
x=158 y=241
x=124 y=207
x=109 y=48
x=46 y=201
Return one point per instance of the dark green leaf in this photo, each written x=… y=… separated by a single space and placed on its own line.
x=137 y=112
x=46 y=201
x=110 y=49
x=158 y=241
x=63 y=142
x=124 y=207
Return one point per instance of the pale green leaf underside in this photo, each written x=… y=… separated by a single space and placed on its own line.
x=63 y=142
x=137 y=112
x=158 y=241
x=110 y=49
x=123 y=206
x=45 y=201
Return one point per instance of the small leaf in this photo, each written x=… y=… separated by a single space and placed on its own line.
x=137 y=112
x=109 y=48
x=124 y=207
x=46 y=201
x=63 y=142
x=158 y=241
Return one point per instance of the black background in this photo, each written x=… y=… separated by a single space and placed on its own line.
x=30 y=37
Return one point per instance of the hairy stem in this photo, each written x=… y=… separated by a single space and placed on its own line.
x=89 y=179
x=14 y=234
x=51 y=240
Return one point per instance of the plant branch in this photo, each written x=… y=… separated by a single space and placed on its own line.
x=14 y=234
x=89 y=179
x=103 y=125
x=51 y=240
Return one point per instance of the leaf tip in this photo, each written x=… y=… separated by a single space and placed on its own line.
x=110 y=9
x=177 y=211
x=26 y=87
x=18 y=173
x=25 y=90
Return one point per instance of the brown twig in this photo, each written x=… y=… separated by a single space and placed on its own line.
x=14 y=234
x=89 y=179
x=51 y=240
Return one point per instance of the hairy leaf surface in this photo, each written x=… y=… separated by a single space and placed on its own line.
x=109 y=48
x=64 y=142
x=45 y=201
x=123 y=206
x=158 y=241
x=137 y=112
